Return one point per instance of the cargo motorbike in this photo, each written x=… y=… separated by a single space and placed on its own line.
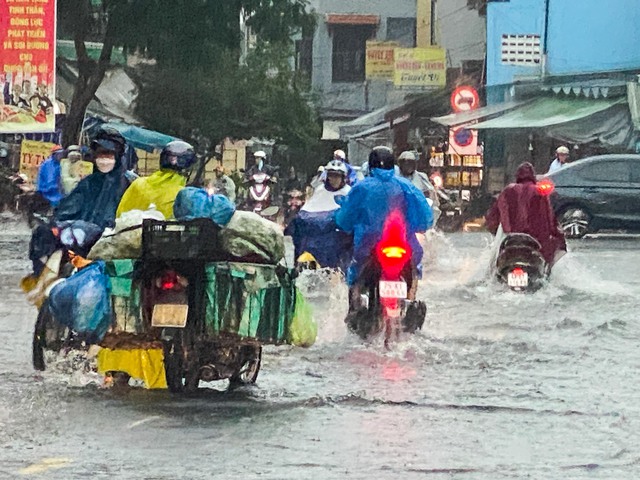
x=384 y=297
x=208 y=313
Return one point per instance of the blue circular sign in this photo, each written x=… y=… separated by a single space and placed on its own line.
x=463 y=137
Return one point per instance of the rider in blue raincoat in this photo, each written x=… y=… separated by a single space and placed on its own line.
x=49 y=178
x=366 y=208
x=314 y=230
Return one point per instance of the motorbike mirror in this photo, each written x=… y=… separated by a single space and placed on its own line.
x=270 y=211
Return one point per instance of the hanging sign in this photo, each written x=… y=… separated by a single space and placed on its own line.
x=380 y=60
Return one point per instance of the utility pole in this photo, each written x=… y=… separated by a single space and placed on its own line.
x=424 y=23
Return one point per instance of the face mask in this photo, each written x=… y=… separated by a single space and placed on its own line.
x=105 y=164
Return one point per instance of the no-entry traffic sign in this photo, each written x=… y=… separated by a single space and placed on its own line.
x=465 y=98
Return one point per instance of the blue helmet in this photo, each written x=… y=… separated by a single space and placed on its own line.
x=177 y=155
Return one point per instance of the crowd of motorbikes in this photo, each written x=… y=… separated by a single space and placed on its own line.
x=384 y=304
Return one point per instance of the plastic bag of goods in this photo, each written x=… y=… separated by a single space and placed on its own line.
x=194 y=202
x=304 y=329
x=82 y=302
x=250 y=237
x=125 y=240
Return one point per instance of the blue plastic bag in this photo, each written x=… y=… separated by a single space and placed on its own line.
x=82 y=302
x=194 y=202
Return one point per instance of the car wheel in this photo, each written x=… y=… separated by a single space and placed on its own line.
x=575 y=222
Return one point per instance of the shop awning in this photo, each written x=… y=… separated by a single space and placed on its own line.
x=547 y=112
x=477 y=114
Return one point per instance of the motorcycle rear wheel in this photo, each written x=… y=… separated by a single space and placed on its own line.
x=247 y=373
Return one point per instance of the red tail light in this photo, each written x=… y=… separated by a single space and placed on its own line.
x=168 y=281
x=517 y=271
x=545 y=186
x=393 y=251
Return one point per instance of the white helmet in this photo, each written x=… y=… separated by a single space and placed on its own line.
x=407 y=155
x=336 y=166
x=339 y=154
x=260 y=154
x=562 y=150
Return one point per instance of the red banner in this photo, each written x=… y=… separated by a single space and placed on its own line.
x=27 y=65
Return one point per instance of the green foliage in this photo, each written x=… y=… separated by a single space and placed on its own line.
x=207 y=103
x=198 y=90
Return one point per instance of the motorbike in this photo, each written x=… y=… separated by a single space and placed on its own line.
x=260 y=195
x=208 y=315
x=520 y=264
x=171 y=293
x=384 y=301
x=451 y=217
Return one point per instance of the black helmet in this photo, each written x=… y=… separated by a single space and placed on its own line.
x=110 y=139
x=381 y=157
x=177 y=155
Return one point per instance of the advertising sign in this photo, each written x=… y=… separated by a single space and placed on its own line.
x=27 y=65
x=380 y=60
x=32 y=154
x=420 y=67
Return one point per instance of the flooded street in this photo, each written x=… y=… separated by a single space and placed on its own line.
x=497 y=385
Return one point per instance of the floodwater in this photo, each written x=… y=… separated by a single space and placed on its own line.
x=497 y=385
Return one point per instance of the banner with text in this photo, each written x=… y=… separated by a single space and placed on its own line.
x=27 y=65
x=32 y=154
x=379 y=62
x=420 y=67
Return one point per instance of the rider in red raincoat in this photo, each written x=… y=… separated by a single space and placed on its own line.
x=522 y=208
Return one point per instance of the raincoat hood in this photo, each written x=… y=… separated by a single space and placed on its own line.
x=525 y=173
x=384 y=175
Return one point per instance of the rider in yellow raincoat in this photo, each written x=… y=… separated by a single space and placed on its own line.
x=162 y=187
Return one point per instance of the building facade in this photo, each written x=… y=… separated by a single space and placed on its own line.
x=539 y=39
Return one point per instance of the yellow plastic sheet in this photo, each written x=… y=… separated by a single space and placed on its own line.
x=146 y=365
x=160 y=189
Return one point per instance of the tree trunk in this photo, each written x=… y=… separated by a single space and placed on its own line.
x=90 y=76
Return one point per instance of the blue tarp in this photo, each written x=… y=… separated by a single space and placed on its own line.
x=142 y=138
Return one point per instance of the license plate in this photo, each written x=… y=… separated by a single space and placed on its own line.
x=449 y=213
x=518 y=280
x=393 y=289
x=169 y=315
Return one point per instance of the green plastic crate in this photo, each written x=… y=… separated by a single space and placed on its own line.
x=249 y=300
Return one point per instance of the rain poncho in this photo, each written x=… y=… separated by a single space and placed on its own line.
x=159 y=189
x=521 y=208
x=96 y=198
x=49 y=184
x=366 y=208
x=314 y=230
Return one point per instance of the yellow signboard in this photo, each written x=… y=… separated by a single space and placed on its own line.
x=32 y=154
x=420 y=67
x=379 y=62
